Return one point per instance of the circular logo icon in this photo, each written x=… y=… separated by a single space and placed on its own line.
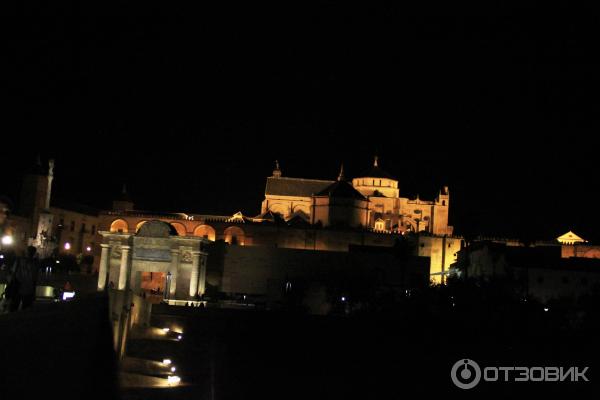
x=465 y=374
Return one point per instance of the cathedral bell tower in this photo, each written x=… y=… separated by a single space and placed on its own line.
x=35 y=204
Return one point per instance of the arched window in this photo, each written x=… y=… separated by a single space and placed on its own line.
x=139 y=225
x=234 y=235
x=379 y=225
x=180 y=228
x=119 y=225
x=205 y=231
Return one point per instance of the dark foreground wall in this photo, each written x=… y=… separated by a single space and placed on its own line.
x=58 y=350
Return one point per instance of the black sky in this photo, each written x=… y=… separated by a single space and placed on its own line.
x=191 y=106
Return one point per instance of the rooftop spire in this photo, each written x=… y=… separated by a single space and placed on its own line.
x=277 y=170
x=341 y=176
x=376 y=161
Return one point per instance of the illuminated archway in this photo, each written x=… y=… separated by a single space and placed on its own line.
x=379 y=225
x=119 y=225
x=280 y=209
x=234 y=235
x=139 y=225
x=180 y=228
x=205 y=231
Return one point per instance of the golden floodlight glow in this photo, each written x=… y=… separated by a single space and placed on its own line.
x=167 y=361
x=165 y=330
x=7 y=240
x=173 y=380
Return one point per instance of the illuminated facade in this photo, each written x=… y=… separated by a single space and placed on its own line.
x=322 y=215
x=370 y=201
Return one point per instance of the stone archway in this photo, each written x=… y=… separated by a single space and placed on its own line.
x=234 y=235
x=180 y=228
x=205 y=231
x=119 y=225
x=139 y=225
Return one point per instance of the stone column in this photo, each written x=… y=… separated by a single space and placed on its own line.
x=104 y=265
x=195 y=273
x=125 y=267
x=174 y=270
x=202 y=280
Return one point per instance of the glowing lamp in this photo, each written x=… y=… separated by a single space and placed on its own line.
x=67 y=246
x=7 y=240
x=179 y=337
x=167 y=361
x=68 y=295
x=89 y=248
x=173 y=369
x=546 y=309
x=173 y=380
x=166 y=330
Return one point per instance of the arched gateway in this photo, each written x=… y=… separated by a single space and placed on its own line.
x=139 y=261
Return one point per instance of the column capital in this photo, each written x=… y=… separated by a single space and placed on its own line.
x=125 y=247
x=105 y=245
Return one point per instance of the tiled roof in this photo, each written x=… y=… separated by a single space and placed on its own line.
x=295 y=186
x=341 y=189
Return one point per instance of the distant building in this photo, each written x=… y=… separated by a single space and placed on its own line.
x=570 y=238
x=370 y=201
x=539 y=272
x=322 y=215
x=51 y=227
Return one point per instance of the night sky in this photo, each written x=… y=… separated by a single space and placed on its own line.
x=191 y=106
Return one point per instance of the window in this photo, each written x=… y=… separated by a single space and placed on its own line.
x=83 y=227
x=93 y=229
x=72 y=226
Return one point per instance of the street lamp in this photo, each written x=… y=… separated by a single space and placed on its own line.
x=7 y=240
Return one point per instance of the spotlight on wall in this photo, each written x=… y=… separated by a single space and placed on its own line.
x=167 y=361
x=7 y=240
x=173 y=380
